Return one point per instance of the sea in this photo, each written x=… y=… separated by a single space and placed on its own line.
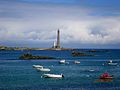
x=16 y=74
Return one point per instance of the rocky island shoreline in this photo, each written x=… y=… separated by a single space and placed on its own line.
x=30 y=56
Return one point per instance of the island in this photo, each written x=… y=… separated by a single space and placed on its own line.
x=30 y=56
x=77 y=54
x=99 y=50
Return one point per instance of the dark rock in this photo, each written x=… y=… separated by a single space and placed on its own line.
x=30 y=56
x=75 y=54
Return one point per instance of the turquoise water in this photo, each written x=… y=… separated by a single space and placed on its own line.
x=18 y=74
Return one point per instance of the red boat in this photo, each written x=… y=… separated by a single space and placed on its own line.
x=106 y=76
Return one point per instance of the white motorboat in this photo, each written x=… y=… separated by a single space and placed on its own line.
x=62 y=61
x=77 y=62
x=37 y=66
x=52 y=76
x=91 y=70
x=43 y=69
x=111 y=63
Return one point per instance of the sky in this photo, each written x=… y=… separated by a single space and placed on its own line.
x=82 y=23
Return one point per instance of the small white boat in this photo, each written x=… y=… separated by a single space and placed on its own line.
x=91 y=70
x=43 y=69
x=52 y=76
x=111 y=63
x=37 y=66
x=62 y=61
x=76 y=62
x=66 y=62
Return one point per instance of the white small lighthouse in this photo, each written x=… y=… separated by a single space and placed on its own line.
x=54 y=44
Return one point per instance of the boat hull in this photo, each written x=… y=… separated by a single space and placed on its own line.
x=37 y=66
x=106 y=77
x=77 y=62
x=113 y=64
x=62 y=62
x=43 y=69
x=52 y=76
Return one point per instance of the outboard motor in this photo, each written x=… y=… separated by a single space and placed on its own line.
x=63 y=76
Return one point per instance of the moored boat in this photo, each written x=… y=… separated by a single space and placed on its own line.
x=106 y=76
x=91 y=70
x=52 y=76
x=62 y=61
x=43 y=69
x=77 y=62
x=111 y=63
x=37 y=66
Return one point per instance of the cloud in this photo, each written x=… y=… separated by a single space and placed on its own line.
x=100 y=31
x=38 y=23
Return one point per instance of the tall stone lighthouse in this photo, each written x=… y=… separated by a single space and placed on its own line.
x=56 y=45
x=58 y=39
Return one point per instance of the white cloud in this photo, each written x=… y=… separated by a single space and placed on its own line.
x=100 y=31
x=39 y=23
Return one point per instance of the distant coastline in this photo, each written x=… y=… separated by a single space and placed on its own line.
x=27 y=48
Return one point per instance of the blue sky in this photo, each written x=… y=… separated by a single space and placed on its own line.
x=82 y=23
